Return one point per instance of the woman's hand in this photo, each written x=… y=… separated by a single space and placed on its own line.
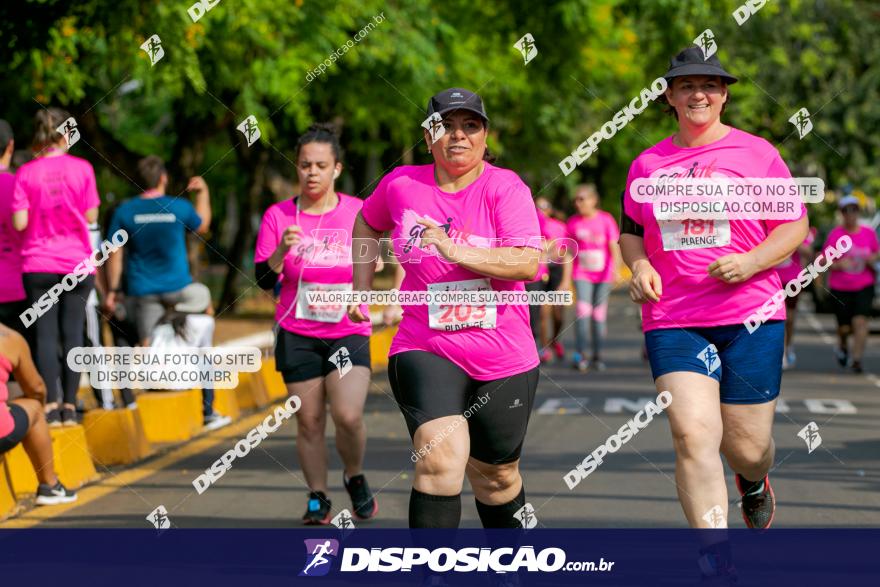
x=645 y=285
x=292 y=235
x=355 y=314
x=434 y=235
x=734 y=268
x=392 y=314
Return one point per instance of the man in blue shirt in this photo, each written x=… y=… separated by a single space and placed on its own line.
x=155 y=256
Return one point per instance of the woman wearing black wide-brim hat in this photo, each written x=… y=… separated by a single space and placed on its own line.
x=699 y=280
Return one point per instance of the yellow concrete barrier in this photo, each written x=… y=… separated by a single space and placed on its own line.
x=170 y=416
x=73 y=462
x=226 y=403
x=7 y=497
x=21 y=472
x=272 y=380
x=380 y=344
x=116 y=437
x=251 y=391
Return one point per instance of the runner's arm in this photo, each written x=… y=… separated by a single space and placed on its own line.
x=364 y=252
x=781 y=243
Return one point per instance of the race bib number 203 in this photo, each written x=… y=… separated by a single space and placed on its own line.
x=452 y=317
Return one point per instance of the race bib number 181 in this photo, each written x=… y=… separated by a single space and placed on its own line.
x=679 y=235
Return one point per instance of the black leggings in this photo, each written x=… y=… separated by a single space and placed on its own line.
x=58 y=331
x=427 y=386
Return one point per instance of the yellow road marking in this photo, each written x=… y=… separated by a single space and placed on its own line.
x=109 y=482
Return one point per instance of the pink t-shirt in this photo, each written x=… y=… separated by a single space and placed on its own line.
x=852 y=272
x=322 y=259
x=691 y=297
x=791 y=267
x=56 y=191
x=594 y=236
x=551 y=231
x=11 y=287
x=6 y=421
x=496 y=210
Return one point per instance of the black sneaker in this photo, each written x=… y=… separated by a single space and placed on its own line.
x=47 y=495
x=68 y=417
x=842 y=357
x=53 y=418
x=857 y=367
x=758 y=508
x=716 y=568
x=317 y=510
x=362 y=501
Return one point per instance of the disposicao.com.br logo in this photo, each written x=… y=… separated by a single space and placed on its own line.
x=321 y=552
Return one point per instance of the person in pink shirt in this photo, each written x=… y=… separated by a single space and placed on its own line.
x=789 y=270
x=697 y=281
x=596 y=234
x=554 y=274
x=851 y=281
x=54 y=201
x=464 y=376
x=305 y=242
x=12 y=296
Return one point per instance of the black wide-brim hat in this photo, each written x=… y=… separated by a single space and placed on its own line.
x=691 y=62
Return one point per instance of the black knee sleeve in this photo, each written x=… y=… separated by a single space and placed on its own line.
x=504 y=515
x=434 y=511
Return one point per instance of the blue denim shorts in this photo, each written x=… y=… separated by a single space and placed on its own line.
x=748 y=367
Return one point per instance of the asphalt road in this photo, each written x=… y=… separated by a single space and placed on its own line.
x=838 y=484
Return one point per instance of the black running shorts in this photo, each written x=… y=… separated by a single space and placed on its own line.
x=299 y=358
x=427 y=386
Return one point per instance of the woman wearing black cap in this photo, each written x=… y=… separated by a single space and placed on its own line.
x=698 y=280
x=464 y=376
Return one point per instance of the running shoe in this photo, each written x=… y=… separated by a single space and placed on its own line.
x=759 y=504
x=546 y=356
x=718 y=578
x=559 y=350
x=317 y=510
x=53 y=418
x=857 y=367
x=792 y=359
x=363 y=503
x=716 y=569
x=49 y=495
x=215 y=421
x=597 y=365
x=68 y=417
x=842 y=357
x=583 y=366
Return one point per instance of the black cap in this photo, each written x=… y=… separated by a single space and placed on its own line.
x=691 y=62
x=456 y=99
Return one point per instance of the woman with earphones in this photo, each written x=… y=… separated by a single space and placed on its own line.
x=322 y=355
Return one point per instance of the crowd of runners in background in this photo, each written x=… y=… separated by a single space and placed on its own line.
x=442 y=364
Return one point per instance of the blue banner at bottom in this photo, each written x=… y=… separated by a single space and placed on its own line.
x=363 y=556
